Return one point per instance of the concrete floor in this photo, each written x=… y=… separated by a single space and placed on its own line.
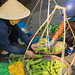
x=34 y=23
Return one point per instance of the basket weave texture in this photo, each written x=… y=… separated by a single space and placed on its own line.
x=50 y=53
x=52 y=57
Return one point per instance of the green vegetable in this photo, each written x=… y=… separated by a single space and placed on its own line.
x=58 y=64
x=52 y=70
x=36 y=67
x=44 y=62
x=13 y=55
x=28 y=65
x=48 y=69
x=54 y=29
x=35 y=71
x=43 y=67
x=52 y=62
x=65 y=73
x=14 y=61
x=48 y=64
x=35 y=62
x=45 y=73
x=30 y=73
x=39 y=67
x=38 y=64
x=38 y=56
x=38 y=73
x=41 y=48
x=54 y=74
x=57 y=70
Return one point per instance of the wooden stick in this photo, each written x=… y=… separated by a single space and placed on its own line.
x=59 y=7
x=73 y=61
x=47 y=36
x=32 y=12
x=48 y=23
x=40 y=13
x=63 y=51
x=57 y=4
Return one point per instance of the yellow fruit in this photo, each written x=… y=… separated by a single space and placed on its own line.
x=42 y=41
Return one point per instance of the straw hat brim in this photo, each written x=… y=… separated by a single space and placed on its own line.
x=12 y=10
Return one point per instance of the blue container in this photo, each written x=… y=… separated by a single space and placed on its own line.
x=23 y=25
x=37 y=39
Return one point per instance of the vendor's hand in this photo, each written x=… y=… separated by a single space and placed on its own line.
x=30 y=54
x=49 y=44
x=34 y=47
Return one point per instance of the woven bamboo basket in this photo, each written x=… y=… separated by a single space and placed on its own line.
x=50 y=53
x=53 y=57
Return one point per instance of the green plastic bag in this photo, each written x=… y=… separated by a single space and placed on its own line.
x=4 y=69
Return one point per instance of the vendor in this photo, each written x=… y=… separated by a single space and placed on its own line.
x=10 y=14
x=70 y=12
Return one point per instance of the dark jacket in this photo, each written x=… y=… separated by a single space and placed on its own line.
x=5 y=31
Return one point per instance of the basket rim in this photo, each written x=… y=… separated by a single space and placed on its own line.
x=52 y=53
x=51 y=34
x=54 y=57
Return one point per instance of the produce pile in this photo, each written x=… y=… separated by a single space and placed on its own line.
x=16 y=69
x=58 y=46
x=18 y=58
x=54 y=28
x=41 y=67
x=42 y=41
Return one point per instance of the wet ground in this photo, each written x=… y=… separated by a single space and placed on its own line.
x=34 y=23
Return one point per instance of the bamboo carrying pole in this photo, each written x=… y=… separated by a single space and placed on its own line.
x=56 y=4
x=38 y=31
x=47 y=36
x=42 y=26
x=66 y=20
x=51 y=15
x=63 y=51
x=58 y=7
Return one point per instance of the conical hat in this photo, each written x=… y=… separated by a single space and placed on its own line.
x=12 y=9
